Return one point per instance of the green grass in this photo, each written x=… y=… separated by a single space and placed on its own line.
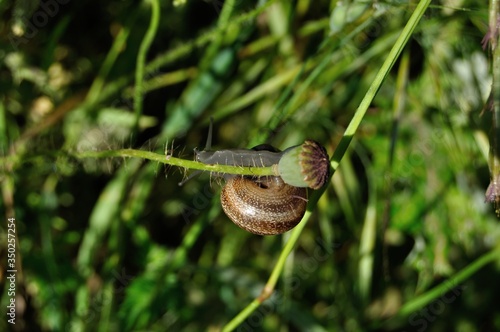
x=397 y=92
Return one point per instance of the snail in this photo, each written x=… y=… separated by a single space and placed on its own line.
x=268 y=205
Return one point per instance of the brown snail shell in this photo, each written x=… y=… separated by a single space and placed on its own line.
x=265 y=205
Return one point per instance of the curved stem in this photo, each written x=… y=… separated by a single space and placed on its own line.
x=141 y=58
x=118 y=44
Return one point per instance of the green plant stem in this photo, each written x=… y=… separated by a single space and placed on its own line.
x=116 y=48
x=275 y=274
x=448 y=285
x=377 y=82
x=273 y=279
x=141 y=58
x=368 y=235
x=334 y=161
x=226 y=169
x=164 y=80
x=222 y=23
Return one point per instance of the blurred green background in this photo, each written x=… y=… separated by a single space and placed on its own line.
x=114 y=244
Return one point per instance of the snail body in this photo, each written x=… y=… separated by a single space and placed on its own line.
x=265 y=205
x=255 y=157
x=260 y=156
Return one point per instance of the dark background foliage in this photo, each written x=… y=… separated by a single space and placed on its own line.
x=115 y=244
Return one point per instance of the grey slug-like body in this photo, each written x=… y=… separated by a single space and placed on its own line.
x=239 y=157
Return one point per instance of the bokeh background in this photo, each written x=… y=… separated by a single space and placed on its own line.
x=114 y=244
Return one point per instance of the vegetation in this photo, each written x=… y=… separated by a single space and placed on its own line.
x=102 y=104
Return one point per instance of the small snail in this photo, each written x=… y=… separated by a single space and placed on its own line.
x=269 y=205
